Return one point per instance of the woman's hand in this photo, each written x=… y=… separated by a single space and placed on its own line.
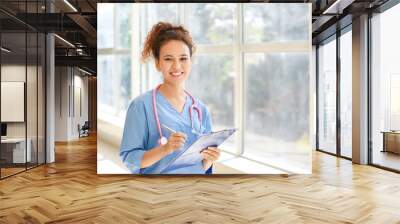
x=210 y=155
x=175 y=141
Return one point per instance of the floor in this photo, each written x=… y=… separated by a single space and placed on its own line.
x=387 y=159
x=11 y=169
x=70 y=191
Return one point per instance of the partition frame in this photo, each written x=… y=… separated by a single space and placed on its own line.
x=44 y=101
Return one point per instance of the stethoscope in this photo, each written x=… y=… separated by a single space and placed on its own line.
x=163 y=140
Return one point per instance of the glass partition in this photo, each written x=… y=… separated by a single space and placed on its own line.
x=31 y=98
x=22 y=92
x=13 y=105
x=41 y=107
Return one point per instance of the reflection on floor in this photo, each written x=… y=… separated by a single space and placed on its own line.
x=10 y=171
x=12 y=168
x=387 y=159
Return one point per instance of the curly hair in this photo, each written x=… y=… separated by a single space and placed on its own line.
x=160 y=34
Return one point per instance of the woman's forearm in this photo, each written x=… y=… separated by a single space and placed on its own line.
x=153 y=155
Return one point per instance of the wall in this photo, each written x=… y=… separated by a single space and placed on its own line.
x=71 y=102
x=17 y=73
x=92 y=108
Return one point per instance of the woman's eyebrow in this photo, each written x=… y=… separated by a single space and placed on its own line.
x=168 y=55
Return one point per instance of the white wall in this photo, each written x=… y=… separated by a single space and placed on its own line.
x=16 y=73
x=71 y=94
x=33 y=126
x=61 y=103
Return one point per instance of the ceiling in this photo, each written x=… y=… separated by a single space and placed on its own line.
x=76 y=20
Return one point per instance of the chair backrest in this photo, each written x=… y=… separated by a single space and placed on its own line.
x=86 y=125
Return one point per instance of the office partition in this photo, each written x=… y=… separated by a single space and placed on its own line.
x=22 y=77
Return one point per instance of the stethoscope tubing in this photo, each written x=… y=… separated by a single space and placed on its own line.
x=192 y=107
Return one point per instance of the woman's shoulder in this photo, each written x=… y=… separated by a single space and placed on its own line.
x=142 y=100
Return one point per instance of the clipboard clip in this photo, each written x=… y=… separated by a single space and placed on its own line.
x=207 y=147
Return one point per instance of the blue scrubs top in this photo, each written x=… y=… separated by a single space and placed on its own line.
x=141 y=133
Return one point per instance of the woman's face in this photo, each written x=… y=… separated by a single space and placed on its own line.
x=174 y=62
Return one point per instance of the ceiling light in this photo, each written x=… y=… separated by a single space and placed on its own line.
x=5 y=49
x=337 y=7
x=70 y=5
x=64 y=40
x=86 y=72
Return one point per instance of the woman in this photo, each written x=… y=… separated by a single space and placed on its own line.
x=166 y=120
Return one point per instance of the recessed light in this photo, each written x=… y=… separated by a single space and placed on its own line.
x=70 y=5
x=5 y=49
x=64 y=40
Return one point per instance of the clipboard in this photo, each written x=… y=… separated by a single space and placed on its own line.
x=192 y=154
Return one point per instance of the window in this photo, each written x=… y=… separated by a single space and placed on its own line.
x=277 y=108
x=275 y=23
x=212 y=23
x=105 y=31
x=385 y=89
x=216 y=73
x=114 y=61
x=394 y=101
x=346 y=94
x=327 y=96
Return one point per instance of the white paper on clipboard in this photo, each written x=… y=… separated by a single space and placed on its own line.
x=192 y=154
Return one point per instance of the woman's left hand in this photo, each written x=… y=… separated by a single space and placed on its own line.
x=210 y=155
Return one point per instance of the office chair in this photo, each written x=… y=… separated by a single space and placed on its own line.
x=84 y=130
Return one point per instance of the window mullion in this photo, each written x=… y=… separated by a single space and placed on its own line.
x=239 y=80
x=182 y=8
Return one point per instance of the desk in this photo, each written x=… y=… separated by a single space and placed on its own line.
x=391 y=141
x=15 y=148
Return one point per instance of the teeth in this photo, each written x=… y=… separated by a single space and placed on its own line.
x=176 y=73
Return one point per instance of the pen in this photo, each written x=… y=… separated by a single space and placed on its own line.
x=168 y=128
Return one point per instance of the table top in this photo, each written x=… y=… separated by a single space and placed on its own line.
x=391 y=132
x=13 y=140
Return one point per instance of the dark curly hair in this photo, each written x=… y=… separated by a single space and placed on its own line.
x=161 y=33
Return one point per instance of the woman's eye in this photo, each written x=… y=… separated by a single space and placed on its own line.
x=167 y=59
x=183 y=59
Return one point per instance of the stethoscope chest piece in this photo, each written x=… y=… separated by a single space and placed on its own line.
x=163 y=140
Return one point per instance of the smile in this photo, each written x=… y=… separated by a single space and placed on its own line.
x=176 y=74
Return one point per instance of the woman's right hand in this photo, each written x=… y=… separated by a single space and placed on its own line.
x=175 y=141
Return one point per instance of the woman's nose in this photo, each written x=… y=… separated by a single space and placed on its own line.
x=176 y=65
